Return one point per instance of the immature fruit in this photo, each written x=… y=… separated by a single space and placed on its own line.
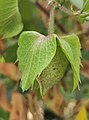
x=54 y=72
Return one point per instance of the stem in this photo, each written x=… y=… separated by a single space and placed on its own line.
x=51 y=20
x=46 y=13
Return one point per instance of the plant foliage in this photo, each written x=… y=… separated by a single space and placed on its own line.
x=10 y=19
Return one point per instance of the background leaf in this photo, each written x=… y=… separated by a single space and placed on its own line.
x=71 y=48
x=78 y=3
x=10 y=53
x=86 y=5
x=82 y=115
x=10 y=19
x=35 y=52
x=2 y=59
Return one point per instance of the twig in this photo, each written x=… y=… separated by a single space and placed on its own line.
x=47 y=14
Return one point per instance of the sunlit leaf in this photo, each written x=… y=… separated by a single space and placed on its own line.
x=70 y=45
x=2 y=59
x=35 y=52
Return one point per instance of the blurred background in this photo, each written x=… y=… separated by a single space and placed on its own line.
x=60 y=102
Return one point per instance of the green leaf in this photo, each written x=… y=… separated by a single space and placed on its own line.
x=35 y=52
x=78 y=3
x=3 y=114
x=10 y=19
x=2 y=59
x=70 y=45
x=84 y=12
x=86 y=6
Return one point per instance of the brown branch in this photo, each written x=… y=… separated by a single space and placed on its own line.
x=47 y=14
x=4 y=103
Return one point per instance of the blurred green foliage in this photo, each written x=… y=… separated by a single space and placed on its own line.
x=32 y=20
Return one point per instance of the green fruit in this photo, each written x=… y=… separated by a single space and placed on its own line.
x=54 y=72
